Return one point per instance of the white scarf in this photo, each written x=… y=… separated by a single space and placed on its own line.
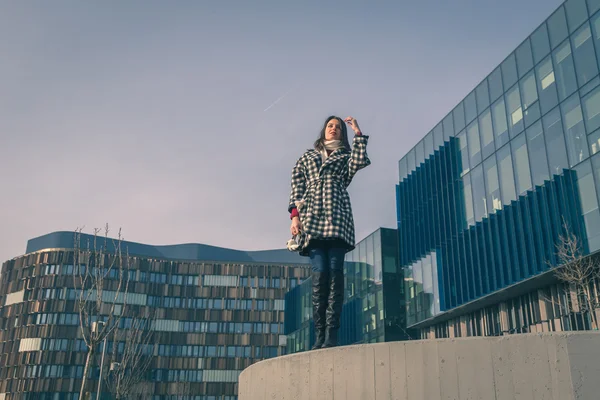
x=330 y=145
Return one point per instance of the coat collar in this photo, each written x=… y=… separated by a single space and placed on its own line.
x=315 y=155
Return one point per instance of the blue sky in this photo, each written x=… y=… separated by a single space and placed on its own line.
x=150 y=115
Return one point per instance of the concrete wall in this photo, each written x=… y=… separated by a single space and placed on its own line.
x=553 y=366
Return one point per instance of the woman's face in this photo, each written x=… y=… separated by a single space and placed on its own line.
x=333 y=130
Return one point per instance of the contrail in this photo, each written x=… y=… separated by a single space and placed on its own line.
x=278 y=100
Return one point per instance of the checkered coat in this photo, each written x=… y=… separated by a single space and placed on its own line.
x=319 y=192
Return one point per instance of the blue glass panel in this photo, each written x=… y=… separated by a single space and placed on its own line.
x=529 y=98
x=500 y=123
x=459 y=117
x=514 y=111
x=487 y=133
x=594 y=140
x=438 y=136
x=574 y=128
x=483 y=95
x=505 y=248
x=538 y=237
x=537 y=153
x=464 y=153
x=479 y=197
x=540 y=43
x=410 y=157
x=565 y=71
x=555 y=142
x=521 y=164
x=474 y=144
x=495 y=84
x=470 y=107
x=528 y=242
x=557 y=27
x=509 y=71
x=589 y=203
x=468 y=197
x=524 y=58
x=507 y=179
x=492 y=185
x=448 y=124
x=402 y=168
x=576 y=13
x=591 y=110
x=419 y=153
x=593 y=6
x=586 y=66
x=546 y=85
x=428 y=144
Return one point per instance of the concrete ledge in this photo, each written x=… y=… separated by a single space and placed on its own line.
x=553 y=366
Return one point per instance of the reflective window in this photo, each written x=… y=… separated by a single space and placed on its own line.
x=500 y=123
x=464 y=152
x=492 y=185
x=524 y=58
x=557 y=27
x=448 y=124
x=529 y=96
x=546 y=85
x=479 y=197
x=495 y=84
x=565 y=71
x=474 y=144
x=540 y=44
x=576 y=13
x=459 y=117
x=591 y=110
x=589 y=203
x=595 y=21
x=507 y=179
x=468 y=193
x=594 y=140
x=584 y=55
x=521 y=163
x=574 y=129
x=428 y=143
x=515 y=111
x=470 y=107
x=420 y=153
x=593 y=6
x=483 y=95
x=555 y=142
x=402 y=168
x=537 y=154
x=410 y=157
x=509 y=71
x=487 y=133
x=438 y=136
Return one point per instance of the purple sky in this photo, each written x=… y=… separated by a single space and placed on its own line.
x=150 y=115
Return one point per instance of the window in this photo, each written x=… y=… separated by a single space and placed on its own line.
x=555 y=142
x=589 y=204
x=479 y=197
x=557 y=27
x=565 y=71
x=537 y=153
x=521 y=161
x=483 y=95
x=470 y=107
x=459 y=117
x=464 y=153
x=438 y=136
x=448 y=125
x=468 y=196
x=594 y=140
x=584 y=55
x=492 y=184
x=524 y=58
x=495 y=84
x=474 y=144
x=546 y=85
x=591 y=110
x=574 y=130
x=500 y=123
x=529 y=93
x=576 y=13
x=593 y=5
x=515 y=111
x=540 y=44
x=487 y=134
x=507 y=180
x=509 y=71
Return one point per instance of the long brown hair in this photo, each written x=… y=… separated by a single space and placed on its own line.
x=321 y=139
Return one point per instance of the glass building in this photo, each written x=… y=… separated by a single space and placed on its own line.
x=373 y=309
x=216 y=311
x=484 y=197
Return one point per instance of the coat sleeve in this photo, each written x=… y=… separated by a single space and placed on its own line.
x=298 y=184
x=358 y=157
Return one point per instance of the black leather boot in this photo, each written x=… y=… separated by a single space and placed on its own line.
x=320 y=293
x=334 y=308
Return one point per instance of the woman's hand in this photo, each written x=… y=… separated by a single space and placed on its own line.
x=353 y=124
x=296 y=226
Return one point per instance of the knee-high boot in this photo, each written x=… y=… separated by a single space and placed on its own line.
x=334 y=308
x=320 y=292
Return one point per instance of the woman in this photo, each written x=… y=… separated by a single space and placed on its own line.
x=320 y=209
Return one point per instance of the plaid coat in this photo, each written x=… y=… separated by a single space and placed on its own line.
x=319 y=192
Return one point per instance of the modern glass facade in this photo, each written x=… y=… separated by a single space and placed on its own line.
x=216 y=311
x=484 y=197
x=373 y=308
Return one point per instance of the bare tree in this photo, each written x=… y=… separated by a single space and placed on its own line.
x=579 y=272
x=133 y=351
x=101 y=283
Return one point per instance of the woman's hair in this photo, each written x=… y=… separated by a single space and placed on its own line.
x=321 y=139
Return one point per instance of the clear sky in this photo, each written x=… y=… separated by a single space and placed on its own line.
x=161 y=117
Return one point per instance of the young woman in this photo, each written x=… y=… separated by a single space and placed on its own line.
x=320 y=210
